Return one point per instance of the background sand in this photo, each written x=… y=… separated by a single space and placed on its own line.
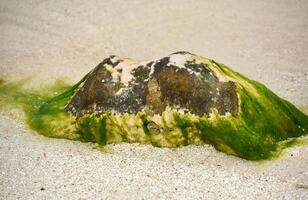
x=265 y=40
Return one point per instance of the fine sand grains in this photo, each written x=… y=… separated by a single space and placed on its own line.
x=264 y=40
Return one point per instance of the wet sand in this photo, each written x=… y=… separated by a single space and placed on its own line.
x=265 y=40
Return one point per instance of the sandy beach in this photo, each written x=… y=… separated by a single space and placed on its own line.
x=265 y=40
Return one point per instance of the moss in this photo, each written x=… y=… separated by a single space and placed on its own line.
x=102 y=131
x=87 y=128
x=264 y=126
x=44 y=112
x=184 y=124
x=145 y=123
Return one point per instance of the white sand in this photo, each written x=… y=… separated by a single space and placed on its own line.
x=265 y=40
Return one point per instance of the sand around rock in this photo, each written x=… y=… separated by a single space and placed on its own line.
x=265 y=41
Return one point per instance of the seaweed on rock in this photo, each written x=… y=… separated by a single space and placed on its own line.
x=175 y=101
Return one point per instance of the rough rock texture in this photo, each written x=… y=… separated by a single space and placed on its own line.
x=178 y=81
x=174 y=101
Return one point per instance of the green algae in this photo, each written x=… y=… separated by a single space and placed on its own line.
x=265 y=125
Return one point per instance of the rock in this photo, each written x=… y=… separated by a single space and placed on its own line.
x=178 y=100
x=174 y=101
x=179 y=81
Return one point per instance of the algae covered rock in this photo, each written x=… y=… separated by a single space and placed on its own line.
x=174 y=101
x=179 y=81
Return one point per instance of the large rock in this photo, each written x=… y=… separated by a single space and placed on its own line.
x=178 y=100
x=174 y=101
x=179 y=81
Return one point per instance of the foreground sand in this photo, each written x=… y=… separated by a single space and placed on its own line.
x=265 y=40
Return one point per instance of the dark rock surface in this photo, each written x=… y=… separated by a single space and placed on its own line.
x=125 y=86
